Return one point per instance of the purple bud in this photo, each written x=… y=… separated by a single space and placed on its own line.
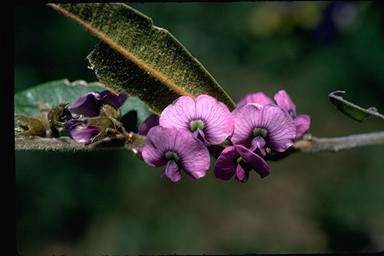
x=80 y=132
x=90 y=103
x=148 y=123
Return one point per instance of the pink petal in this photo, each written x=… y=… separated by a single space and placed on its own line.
x=156 y=142
x=284 y=101
x=259 y=98
x=218 y=120
x=194 y=155
x=256 y=162
x=179 y=113
x=280 y=126
x=172 y=171
x=241 y=174
x=226 y=163
x=246 y=119
x=302 y=123
x=258 y=143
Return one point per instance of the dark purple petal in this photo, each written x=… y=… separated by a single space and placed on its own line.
x=302 y=123
x=241 y=174
x=284 y=101
x=172 y=171
x=108 y=97
x=258 y=143
x=280 y=126
x=148 y=123
x=80 y=132
x=256 y=162
x=258 y=98
x=88 y=105
x=226 y=163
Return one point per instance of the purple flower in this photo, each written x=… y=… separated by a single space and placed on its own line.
x=258 y=127
x=148 y=123
x=238 y=160
x=80 y=132
x=90 y=103
x=176 y=149
x=282 y=99
x=205 y=117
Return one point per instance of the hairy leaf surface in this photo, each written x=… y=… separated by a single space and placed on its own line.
x=140 y=58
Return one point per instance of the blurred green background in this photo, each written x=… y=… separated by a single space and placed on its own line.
x=111 y=203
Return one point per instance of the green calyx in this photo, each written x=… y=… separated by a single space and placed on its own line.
x=196 y=124
x=260 y=132
x=240 y=160
x=170 y=155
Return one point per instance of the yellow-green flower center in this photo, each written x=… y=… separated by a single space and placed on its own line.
x=196 y=124
x=260 y=132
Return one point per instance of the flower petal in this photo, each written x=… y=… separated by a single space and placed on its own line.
x=218 y=120
x=284 y=101
x=156 y=143
x=87 y=105
x=179 y=113
x=246 y=119
x=172 y=171
x=259 y=98
x=194 y=155
x=302 y=123
x=80 y=132
x=256 y=162
x=108 y=97
x=280 y=126
x=226 y=163
x=241 y=174
x=148 y=123
x=258 y=143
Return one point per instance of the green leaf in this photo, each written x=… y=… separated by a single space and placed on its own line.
x=62 y=91
x=140 y=58
x=353 y=111
x=51 y=93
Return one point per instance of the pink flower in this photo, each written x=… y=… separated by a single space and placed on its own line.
x=176 y=149
x=282 y=99
x=239 y=161
x=205 y=117
x=259 y=127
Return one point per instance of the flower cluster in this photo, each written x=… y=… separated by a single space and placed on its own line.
x=179 y=139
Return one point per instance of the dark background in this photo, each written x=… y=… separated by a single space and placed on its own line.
x=113 y=203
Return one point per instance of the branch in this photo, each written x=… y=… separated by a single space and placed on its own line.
x=314 y=144
x=133 y=142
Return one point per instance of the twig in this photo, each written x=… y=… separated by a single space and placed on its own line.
x=314 y=144
x=134 y=142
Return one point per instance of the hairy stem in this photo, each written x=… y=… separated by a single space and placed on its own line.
x=134 y=142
